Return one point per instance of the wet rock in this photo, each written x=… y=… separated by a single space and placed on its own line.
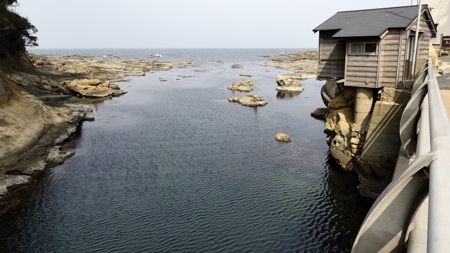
x=246 y=75
x=320 y=113
x=200 y=70
x=237 y=66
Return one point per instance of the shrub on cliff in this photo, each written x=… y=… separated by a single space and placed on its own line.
x=16 y=32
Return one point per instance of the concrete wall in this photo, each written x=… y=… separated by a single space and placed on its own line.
x=383 y=140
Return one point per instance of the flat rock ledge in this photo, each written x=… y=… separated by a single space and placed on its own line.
x=26 y=163
x=249 y=100
x=242 y=86
x=282 y=137
x=94 y=88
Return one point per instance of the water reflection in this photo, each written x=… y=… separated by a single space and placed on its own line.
x=287 y=95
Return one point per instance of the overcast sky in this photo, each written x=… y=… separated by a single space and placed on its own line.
x=184 y=23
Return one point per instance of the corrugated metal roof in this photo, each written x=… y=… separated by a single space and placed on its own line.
x=369 y=23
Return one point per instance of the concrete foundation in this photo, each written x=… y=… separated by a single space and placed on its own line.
x=382 y=140
x=362 y=106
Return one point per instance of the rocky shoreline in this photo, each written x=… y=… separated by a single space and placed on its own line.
x=31 y=132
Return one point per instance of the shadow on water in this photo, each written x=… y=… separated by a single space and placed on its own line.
x=349 y=208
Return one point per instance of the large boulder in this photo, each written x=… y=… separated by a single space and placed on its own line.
x=282 y=137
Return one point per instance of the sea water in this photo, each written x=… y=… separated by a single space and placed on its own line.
x=174 y=167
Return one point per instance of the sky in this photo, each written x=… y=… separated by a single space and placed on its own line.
x=184 y=24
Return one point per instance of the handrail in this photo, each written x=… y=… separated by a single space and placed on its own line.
x=439 y=203
x=392 y=224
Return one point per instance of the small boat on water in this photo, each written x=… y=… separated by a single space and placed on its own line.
x=155 y=56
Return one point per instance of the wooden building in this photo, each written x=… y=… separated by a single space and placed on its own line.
x=373 y=48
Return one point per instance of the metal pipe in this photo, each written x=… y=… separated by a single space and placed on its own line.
x=416 y=44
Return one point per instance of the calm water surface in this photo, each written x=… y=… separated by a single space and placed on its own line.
x=174 y=167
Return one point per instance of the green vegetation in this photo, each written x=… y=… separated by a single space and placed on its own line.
x=16 y=32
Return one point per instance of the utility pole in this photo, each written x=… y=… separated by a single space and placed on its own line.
x=416 y=44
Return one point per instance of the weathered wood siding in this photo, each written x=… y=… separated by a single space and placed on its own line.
x=424 y=39
x=392 y=54
x=361 y=71
x=331 y=56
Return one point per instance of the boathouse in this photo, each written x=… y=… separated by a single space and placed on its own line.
x=373 y=48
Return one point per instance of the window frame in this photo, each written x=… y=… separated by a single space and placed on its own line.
x=363 y=44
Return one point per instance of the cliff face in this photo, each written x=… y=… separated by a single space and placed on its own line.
x=30 y=133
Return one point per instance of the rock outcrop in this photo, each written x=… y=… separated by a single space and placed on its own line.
x=94 y=88
x=249 y=100
x=30 y=137
x=289 y=83
x=339 y=129
x=32 y=132
x=242 y=86
x=302 y=62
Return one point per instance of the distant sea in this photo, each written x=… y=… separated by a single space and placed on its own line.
x=174 y=167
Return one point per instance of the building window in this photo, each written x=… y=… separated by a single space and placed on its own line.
x=363 y=48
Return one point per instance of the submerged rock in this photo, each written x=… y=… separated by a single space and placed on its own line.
x=237 y=66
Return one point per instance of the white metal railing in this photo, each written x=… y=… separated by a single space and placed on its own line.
x=413 y=212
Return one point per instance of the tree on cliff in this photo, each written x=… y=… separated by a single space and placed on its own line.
x=16 y=32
